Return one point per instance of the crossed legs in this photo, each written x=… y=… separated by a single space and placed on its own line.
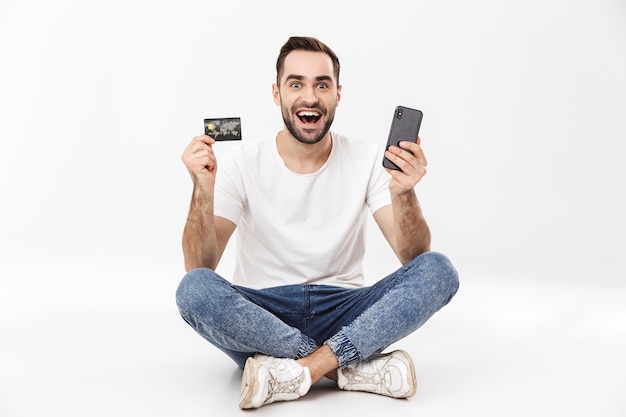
x=334 y=328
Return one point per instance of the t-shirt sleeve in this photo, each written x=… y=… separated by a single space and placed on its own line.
x=378 y=188
x=229 y=190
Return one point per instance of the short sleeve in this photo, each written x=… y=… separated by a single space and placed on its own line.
x=229 y=190
x=378 y=188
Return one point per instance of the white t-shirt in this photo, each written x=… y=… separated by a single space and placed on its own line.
x=298 y=229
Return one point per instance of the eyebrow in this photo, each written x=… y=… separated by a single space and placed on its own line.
x=301 y=77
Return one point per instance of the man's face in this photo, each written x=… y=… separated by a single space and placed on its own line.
x=308 y=95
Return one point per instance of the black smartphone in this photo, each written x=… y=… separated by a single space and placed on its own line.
x=228 y=128
x=405 y=125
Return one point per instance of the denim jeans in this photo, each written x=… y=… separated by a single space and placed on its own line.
x=292 y=321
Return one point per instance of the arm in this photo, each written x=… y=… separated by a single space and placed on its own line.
x=205 y=236
x=403 y=223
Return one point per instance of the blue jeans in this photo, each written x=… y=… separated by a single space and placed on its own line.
x=292 y=321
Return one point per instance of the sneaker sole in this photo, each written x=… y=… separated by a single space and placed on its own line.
x=248 y=384
x=411 y=373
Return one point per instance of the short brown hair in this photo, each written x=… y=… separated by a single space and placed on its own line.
x=304 y=43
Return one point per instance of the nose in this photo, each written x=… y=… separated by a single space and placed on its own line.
x=309 y=95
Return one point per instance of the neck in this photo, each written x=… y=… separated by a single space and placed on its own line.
x=300 y=157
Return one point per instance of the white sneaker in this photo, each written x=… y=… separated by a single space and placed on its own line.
x=267 y=379
x=390 y=374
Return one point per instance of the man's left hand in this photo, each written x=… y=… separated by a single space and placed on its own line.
x=412 y=163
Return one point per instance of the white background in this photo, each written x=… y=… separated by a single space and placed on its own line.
x=523 y=127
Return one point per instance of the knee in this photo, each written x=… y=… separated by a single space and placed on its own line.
x=192 y=290
x=439 y=268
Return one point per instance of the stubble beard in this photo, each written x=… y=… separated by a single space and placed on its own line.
x=302 y=137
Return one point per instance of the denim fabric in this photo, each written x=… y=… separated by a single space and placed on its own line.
x=292 y=321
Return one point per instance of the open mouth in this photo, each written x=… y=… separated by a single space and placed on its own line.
x=307 y=117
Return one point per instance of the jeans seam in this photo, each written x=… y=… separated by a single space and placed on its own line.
x=307 y=305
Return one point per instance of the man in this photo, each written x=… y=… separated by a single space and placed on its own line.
x=298 y=308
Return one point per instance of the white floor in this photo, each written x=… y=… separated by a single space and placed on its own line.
x=111 y=343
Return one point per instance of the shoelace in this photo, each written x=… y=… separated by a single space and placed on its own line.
x=285 y=387
x=377 y=377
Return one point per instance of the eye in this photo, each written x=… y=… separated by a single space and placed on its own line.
x=322 y=86
x=295 y=84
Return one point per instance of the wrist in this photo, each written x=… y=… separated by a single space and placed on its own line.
x=403 y=194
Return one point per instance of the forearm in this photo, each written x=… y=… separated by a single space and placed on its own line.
x=199 y=237
x=412 y=233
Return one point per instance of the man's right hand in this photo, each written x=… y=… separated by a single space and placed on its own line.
x=200 y=161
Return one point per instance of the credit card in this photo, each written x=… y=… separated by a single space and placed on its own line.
x=225 y=128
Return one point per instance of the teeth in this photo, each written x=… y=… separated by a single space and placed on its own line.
x=308 y=113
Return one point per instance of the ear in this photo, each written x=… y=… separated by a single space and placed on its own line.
x=276 y=94
x=338 y=94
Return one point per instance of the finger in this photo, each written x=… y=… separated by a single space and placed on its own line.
x=203 y=162
x=415 y=149
x=408 y=163
x=398 y=157
x=405 y=154
x=204 y=139
x=400 y=181
x=199 y=155
x=199 y=144
x=201 y=150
